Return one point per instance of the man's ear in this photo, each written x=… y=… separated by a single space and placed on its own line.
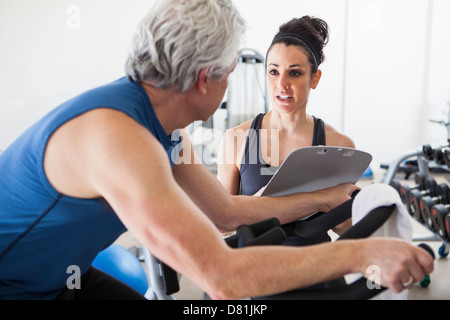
x=316 y=79
x=201 y=82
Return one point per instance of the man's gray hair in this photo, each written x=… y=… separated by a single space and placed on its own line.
x=178 y=38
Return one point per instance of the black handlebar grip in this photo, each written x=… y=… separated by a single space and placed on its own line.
x=322 y=222
x=266 y=232
x=274 y=236
x=369 y=224
x=263 y=226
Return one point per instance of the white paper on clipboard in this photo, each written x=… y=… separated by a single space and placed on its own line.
x=313 y=168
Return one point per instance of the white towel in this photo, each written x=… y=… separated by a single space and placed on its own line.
x=398 y=225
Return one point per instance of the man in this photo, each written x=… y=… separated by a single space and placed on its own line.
x=103 y=162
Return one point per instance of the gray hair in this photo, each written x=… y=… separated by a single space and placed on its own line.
x=178 y=38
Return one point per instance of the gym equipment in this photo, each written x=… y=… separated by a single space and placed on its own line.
x=405 y=190
x=425 y=282
x=422 y=155
x=443 y=250
x=439 y=215
x=396 y=185
x=447 y=157
x=435 y=154
x=163 y=280
x=321 y=222
x=120 y=263
x=447 y=226
x=416 y=194
x=407 y=167
x=430 y=159
x=265 y=232
x=270 y=232
x=358 y=289
x=368 y=174
x=420 y=163
x=427 y=151
x=427 y=202
x=247 y=92
x=438 y=156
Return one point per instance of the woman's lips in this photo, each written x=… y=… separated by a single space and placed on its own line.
x=284 y=98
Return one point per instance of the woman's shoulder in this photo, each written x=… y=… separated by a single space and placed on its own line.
x=240 y=130
x=336 y=138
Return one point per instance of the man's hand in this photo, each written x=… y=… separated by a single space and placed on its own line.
x=401 y=264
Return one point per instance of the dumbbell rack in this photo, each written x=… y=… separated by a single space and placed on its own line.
x=423 y=166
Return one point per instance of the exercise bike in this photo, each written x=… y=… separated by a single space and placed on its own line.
x=165 y=282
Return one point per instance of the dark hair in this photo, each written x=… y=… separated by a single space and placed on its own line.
x=313 y=32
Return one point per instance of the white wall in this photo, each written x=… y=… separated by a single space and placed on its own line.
x=54 y=49
x=437 y=95
x=392 y=68
x=387 y=68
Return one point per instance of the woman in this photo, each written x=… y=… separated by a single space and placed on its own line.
x=292 y=63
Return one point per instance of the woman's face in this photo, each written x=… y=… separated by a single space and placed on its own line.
x=289 y=78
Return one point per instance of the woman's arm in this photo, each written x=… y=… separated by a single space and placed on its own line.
x=230 y=150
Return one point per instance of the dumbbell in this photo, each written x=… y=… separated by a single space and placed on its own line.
x=438 y=155
x=447 y=157
x=395 y=183
x=404 y=190
x=427 y=202
x=440 y=217
x=427 y=151
x=447 y=226
x=416 y=195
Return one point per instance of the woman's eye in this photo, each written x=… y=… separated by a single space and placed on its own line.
x=273 y=72
x=295 y=73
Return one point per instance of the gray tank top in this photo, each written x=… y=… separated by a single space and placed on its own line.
x=254 y=172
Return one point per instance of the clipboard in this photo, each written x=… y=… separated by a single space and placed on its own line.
x=313 y=168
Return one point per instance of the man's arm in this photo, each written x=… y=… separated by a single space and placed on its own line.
x=229 y=211
x=118 y=159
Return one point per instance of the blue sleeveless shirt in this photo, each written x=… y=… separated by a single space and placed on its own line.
x=43 y=232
